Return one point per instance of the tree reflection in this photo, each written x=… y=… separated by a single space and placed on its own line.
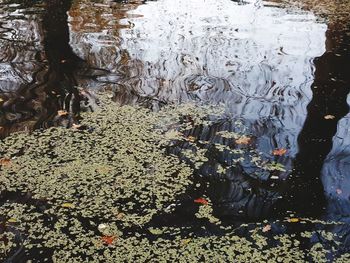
x=54 y=85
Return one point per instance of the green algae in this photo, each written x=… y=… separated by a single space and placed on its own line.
x=111 y=180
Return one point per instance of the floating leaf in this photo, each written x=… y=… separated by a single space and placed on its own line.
x=191 y=138
x=173 y=135
x=120 y=216
x=243 y=140
x=201 y=201
x=294 y=220
x=275 y=167
x=266 y=228
x=62 y=113
x=329 y=117
x=184 y=242
x=102 y=227
x=155 y=231
x=279 y=152
x=5 y=162
x=109 y=240
x=76 y=126
x=68 y=205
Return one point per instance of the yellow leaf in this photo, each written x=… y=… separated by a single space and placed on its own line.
x=68 y=205
x=184 y=242
x=294 y=220
x=12 y=220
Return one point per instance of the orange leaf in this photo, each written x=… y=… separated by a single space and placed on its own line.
x=109 y=240
x=266 y=228
x=191 y=138
x=5 y=162
x=279 y=152
x=243 y=140
x=62 y=113
x=201 y=201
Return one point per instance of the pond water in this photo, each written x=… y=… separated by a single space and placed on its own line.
x=281 y=73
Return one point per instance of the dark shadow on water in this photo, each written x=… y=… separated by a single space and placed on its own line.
x=53 y=87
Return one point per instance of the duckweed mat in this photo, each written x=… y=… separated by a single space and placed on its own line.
x=90 y=194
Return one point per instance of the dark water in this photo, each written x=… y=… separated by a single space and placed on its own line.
x=278 y=71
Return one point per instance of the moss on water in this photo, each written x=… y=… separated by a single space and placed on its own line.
x=90 y=195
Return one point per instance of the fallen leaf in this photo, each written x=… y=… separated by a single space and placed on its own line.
x=120 y=216
x=339 y=191
x=279 y=152
x=62 y=113
x=184 y=242
x=266 y=228
x=109 y=240
x=243 y=140
x=201 y=201
x=329 y=117
x=76 y=126
x=12 y=220
x=191 y=138
x=293 y=220
x=102 y=227
x=5 y=162
x=68 y=205
x=173 y=135
x=155 y=231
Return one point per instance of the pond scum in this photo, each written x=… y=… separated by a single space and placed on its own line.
x=88 y=194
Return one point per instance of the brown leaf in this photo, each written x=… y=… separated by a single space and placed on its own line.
x=243 y=140
x=120 y=216
x=266 y=228
x=279 y=152
x=5 y=162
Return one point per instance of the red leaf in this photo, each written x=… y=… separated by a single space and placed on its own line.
x=201 y=201
x=109 y=240
x=279 y=152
